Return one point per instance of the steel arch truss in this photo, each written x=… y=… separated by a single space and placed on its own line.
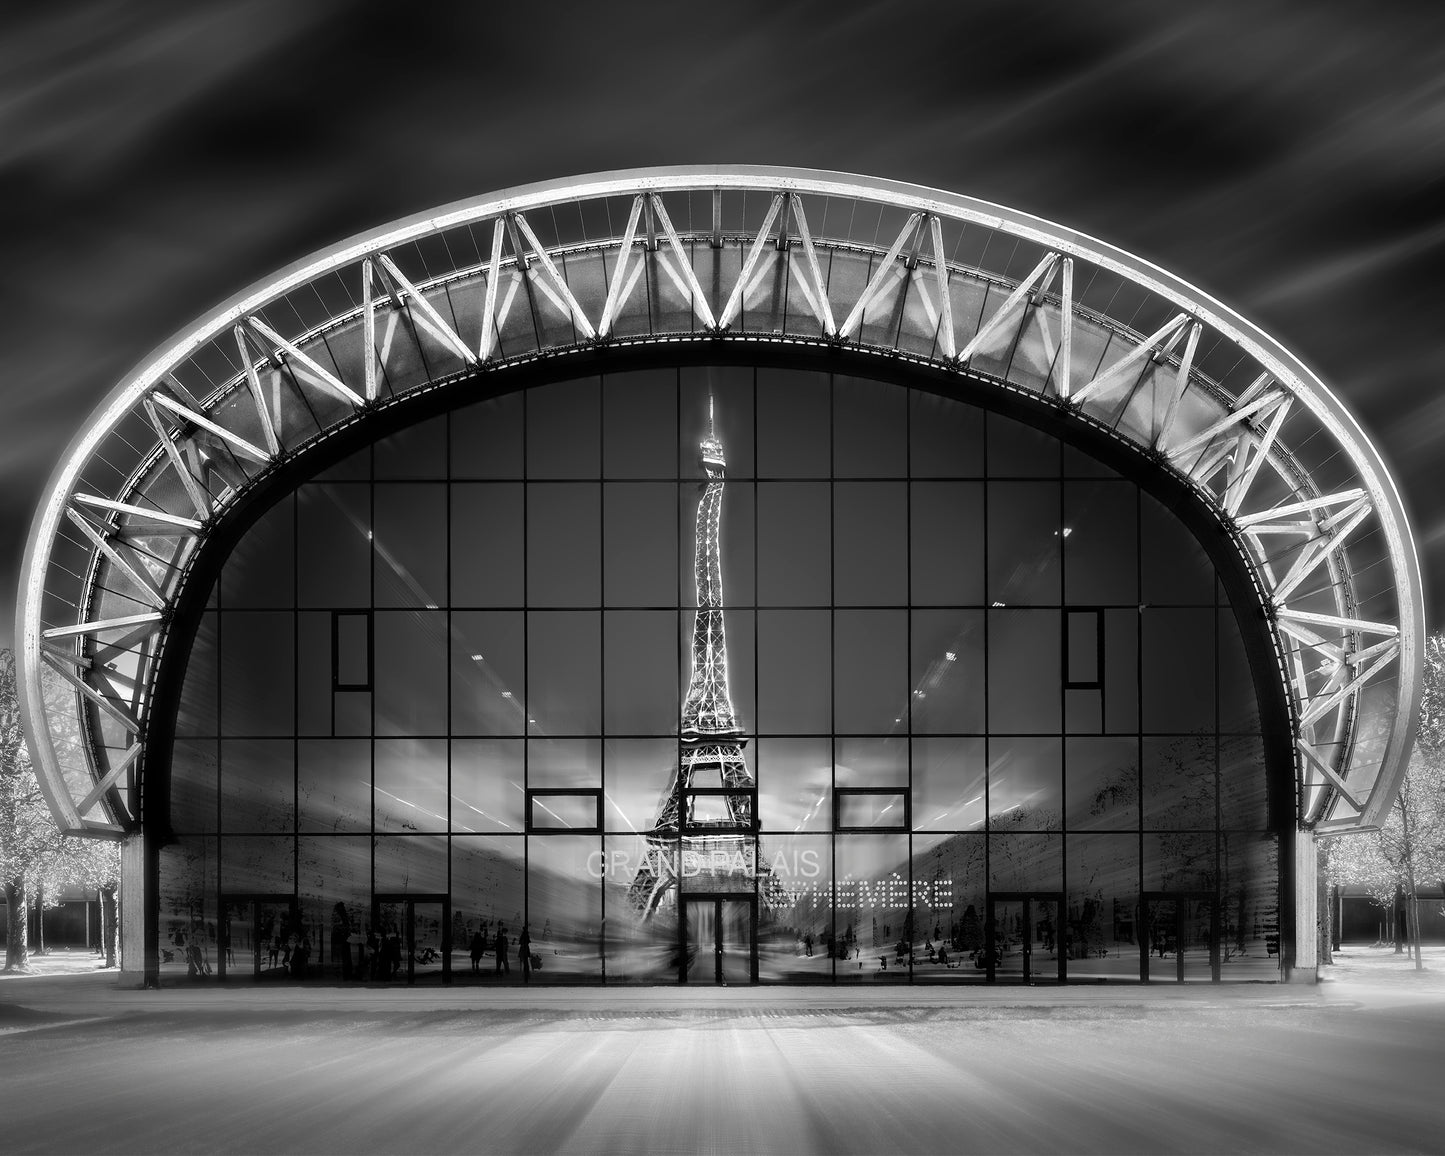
x=737 y=253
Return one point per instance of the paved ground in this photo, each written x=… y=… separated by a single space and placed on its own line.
x=1352 y=1065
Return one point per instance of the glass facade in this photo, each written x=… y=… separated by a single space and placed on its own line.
x=990 y=716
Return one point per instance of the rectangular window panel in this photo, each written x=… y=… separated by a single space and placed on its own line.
x=411 y=672
x=335 y=900
x=351 y=650
x=484 y=438
x=637 y=771
x=486 y=545
x=1101 y=784
x=488 y=785
x=562 y=429
x=795 y=935
x=564 y=763
x=410 y=545
x=870 y=670
x=714 y=809
x=411 y=785
x=873 y=919
x=489 y=898
x=795 y=783
x=488 y=660
x=737 y=538
x=1179 y=783
x=945 y=438
x=871 y=762
x=639 y=424
x=1121 y=670
x=949 y=887
x=793 y=424
x=334 y=565
x=949 y=777
x=316 y=672
x=258 y=672
x=1083 y=649
x=946 y=543
x=1023 y=671
x=870 y=429
x=572 y=811
x=639 y=543
x=334 y=784
x=1178 y=674
x=1102 y=936
x=1032 y=862
x=795 y=691
x=866 y=810
x=1025 y=784
x=564 y=908
x=1017 y=450
x=197 y=713
x=1101 y=548
x=410 y=864
x=564 y=672
x=260 y=571
x=1023 y=543
x=193 y=785
x=870 y=543
x=564 y=542
x=419 y=451
x=948 y=668
x=729 y=391
x=794 y=551
x=640 y=678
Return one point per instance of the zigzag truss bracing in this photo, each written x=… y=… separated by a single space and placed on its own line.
x=714 y=254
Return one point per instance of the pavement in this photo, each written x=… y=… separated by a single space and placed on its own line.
x=1347 y=1065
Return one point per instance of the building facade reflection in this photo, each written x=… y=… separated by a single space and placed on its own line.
x=998 y=721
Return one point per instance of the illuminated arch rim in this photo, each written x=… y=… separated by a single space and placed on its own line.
x=722 y=253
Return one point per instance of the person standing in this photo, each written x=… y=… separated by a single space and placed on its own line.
x=479 y=949
x=524 y=954
x=500 y=947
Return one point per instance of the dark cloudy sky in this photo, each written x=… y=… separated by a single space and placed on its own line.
x=1287 y=158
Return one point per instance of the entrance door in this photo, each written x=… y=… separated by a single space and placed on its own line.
x=1180 y=943
x=413 y=938
x=1021 y=943
x=718 y=939
x=256 y=936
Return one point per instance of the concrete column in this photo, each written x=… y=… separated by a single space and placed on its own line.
x=1305 y=968
x=132 y=910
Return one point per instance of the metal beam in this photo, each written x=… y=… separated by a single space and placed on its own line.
x=197 y=494
x=735 y=300
x=1329 y=773
x=101 y=624
x=149 y=591
x=617 y=291
x=699 y=298
x=940 y=275
x=1162 y=340
x=579 y=318
x=1316 y=552
x=112 y=776
x=1041 y=274
x=1238 y=488
x=139 y=511
x=1318 y=709
x=430 y=317
x=1334 y=620
x=256 y=453
x=1305 y=506
x=1181 y=383
x=1233 y=418
x=326 y=378
x=490 y=326
x=875 y=283
x=121 y=716
x=258 y=395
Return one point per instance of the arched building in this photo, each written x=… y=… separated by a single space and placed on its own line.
x=726 y=573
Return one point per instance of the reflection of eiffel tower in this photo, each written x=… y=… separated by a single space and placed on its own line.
x=705 y=826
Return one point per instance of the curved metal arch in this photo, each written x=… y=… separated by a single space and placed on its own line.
x=721 y=254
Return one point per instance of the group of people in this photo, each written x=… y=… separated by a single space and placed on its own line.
x=499 y=946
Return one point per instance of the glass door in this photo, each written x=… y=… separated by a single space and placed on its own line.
x=1181 y=940
x=718 y=938
x=412 y=939
x=258 y=937
x=1021 y=943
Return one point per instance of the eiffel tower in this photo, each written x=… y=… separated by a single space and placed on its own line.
x=705 y=824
